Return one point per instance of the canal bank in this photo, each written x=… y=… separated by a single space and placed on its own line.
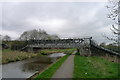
x=50 y=71
x=26 y=68
x=44 y=71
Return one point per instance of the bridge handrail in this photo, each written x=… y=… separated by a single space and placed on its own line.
x=102 y=48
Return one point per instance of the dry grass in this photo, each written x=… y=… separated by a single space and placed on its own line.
x=111 y=58
x=12 y=56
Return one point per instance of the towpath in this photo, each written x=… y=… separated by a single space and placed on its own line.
x=66 y=69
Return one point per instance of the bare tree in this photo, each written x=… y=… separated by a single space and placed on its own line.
x=0 y=37
x=54 y=37
x=114 y=14
x=36 y=35
x=24 y=36
x=6 y=38
x=103 y=44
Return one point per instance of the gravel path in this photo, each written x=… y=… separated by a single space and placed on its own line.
x=66 y=69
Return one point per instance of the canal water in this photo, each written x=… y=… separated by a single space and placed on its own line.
x=26 y=68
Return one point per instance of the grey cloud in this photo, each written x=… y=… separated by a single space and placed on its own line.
x=82 y=18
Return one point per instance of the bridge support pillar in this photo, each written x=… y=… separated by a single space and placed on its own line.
x=78 y=51
x=85 y=51
x=30 y=49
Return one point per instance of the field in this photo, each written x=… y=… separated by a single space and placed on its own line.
x=95 y=67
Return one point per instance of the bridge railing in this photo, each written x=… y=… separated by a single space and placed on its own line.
x=95 y=45
x=60 y=41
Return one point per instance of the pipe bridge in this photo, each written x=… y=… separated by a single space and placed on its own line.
x=87 y=46
x=60 y=43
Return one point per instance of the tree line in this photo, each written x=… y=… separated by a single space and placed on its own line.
x=31 y=35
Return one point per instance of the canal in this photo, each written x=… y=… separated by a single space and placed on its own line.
x=26 y=68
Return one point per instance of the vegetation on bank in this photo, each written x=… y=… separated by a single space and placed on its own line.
x=112 y=46
x=49 y=51
x=52 y=69
x=12 y=56
x=94 y=67
x=15 y=42
x=9 y=55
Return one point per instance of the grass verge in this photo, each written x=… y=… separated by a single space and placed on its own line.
x=52 y=69
x=94 y=67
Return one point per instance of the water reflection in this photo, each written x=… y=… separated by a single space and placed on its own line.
x=26 y=68
x=57 y=55
x=37 y=65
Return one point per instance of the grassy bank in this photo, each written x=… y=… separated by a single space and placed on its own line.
x=52 y=69
x=49 y=51
x=94 y=67
x=9 y=55
x=12 y=56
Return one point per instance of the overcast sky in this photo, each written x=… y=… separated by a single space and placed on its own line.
x=66 y=19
